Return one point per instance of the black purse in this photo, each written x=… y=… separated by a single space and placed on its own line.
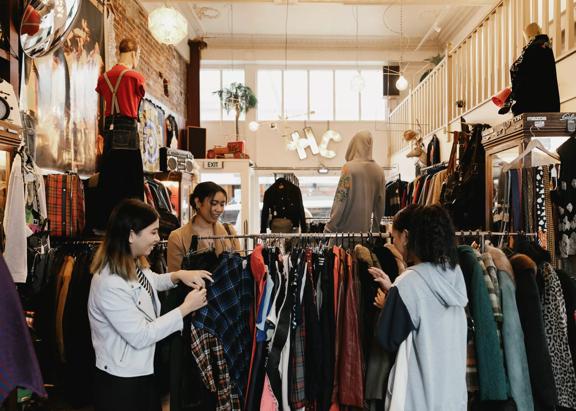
x=465 y=190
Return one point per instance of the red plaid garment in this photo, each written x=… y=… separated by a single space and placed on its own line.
x=298 y=383
x=65 y=204
x=205 y=348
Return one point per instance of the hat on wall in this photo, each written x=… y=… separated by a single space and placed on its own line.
x=410 y=135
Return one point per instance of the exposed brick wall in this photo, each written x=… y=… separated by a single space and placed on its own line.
x=131 y=20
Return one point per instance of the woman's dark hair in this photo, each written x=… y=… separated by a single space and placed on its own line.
x=204 y=190
x=129 y=215
x=403 y=218
x=431 y=236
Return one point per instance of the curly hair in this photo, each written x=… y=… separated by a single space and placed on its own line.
x=431 y=236
x=403 y=218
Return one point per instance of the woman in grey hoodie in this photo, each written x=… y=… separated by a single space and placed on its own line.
x=423 y=317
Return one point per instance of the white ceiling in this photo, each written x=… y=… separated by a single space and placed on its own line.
x=325 y=23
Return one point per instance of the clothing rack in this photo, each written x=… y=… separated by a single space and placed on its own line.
x=438 y=165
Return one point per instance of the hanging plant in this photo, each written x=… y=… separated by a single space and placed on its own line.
x=239 y=98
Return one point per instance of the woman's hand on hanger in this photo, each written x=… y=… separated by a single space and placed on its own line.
x=194 y=300
x=381 y=278
x=192 y=278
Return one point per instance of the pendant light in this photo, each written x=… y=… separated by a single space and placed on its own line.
x=401 y=83
x=167 y=25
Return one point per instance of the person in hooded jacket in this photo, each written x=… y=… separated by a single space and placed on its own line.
x=423 y=316
x=360 y=197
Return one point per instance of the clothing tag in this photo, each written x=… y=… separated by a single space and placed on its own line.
x=111 y=127
x=539 y=124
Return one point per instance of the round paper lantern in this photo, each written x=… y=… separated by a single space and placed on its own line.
x=167 y=25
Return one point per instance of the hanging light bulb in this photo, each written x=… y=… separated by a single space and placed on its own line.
x=254 y=126
x=401 y=83
x=167 y=25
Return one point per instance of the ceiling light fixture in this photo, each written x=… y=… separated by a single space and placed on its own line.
x=401 y=83
x=167 y=25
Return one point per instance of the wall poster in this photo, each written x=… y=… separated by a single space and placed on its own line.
x=58 y=94
x=152 y=132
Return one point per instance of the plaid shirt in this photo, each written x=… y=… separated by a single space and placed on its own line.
x=65 y=204
x=226 y=315
x=209 y=354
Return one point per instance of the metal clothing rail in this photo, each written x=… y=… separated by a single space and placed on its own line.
x=274 y=236
x=470 y=233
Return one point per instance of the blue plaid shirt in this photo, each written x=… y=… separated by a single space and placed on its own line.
x=227 y=313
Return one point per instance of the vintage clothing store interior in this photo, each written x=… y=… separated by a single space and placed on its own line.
x=354 y=205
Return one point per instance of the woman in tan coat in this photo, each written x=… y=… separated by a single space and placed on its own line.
x=208 y=200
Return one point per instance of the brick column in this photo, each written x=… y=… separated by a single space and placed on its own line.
x=193 y=83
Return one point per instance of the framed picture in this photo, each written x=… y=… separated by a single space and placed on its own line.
x=152 y=129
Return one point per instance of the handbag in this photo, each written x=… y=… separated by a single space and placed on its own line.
x=464 y=196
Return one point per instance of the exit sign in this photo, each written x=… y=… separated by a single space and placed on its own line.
x=213 y=164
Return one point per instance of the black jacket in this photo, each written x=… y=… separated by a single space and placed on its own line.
x=433 y=151
x=283 y=200
x=534 y=82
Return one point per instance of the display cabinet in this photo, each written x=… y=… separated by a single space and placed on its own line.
x=504 y=143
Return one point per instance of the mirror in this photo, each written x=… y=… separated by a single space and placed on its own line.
x=45 y=23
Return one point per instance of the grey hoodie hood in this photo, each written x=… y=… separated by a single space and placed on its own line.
x=447 y=286
x=360 y=147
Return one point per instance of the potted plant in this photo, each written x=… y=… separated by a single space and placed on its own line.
x=239 y=98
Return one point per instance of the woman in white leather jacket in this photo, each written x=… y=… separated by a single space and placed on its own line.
x=123 y=309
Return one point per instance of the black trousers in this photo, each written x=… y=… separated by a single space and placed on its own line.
x=113 y=393
x=121 y=169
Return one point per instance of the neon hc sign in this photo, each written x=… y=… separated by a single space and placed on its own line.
x=300 y=144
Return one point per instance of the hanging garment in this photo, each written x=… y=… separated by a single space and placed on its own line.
x=283 y=200
x=556 y=329
x=65 y=203
x=433 y=151
x=351 y=372
x=530 y=311
x=514 y=349
x=490 y=362
x=18 y=363
x=568 y=283
x=209 y=355
x=566 y=199
x=25 y=193
x=226 y=316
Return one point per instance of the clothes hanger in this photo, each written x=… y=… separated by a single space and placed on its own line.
x=533 y=144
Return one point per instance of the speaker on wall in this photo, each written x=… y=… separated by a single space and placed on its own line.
x=194 y=140
x=390 y=77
